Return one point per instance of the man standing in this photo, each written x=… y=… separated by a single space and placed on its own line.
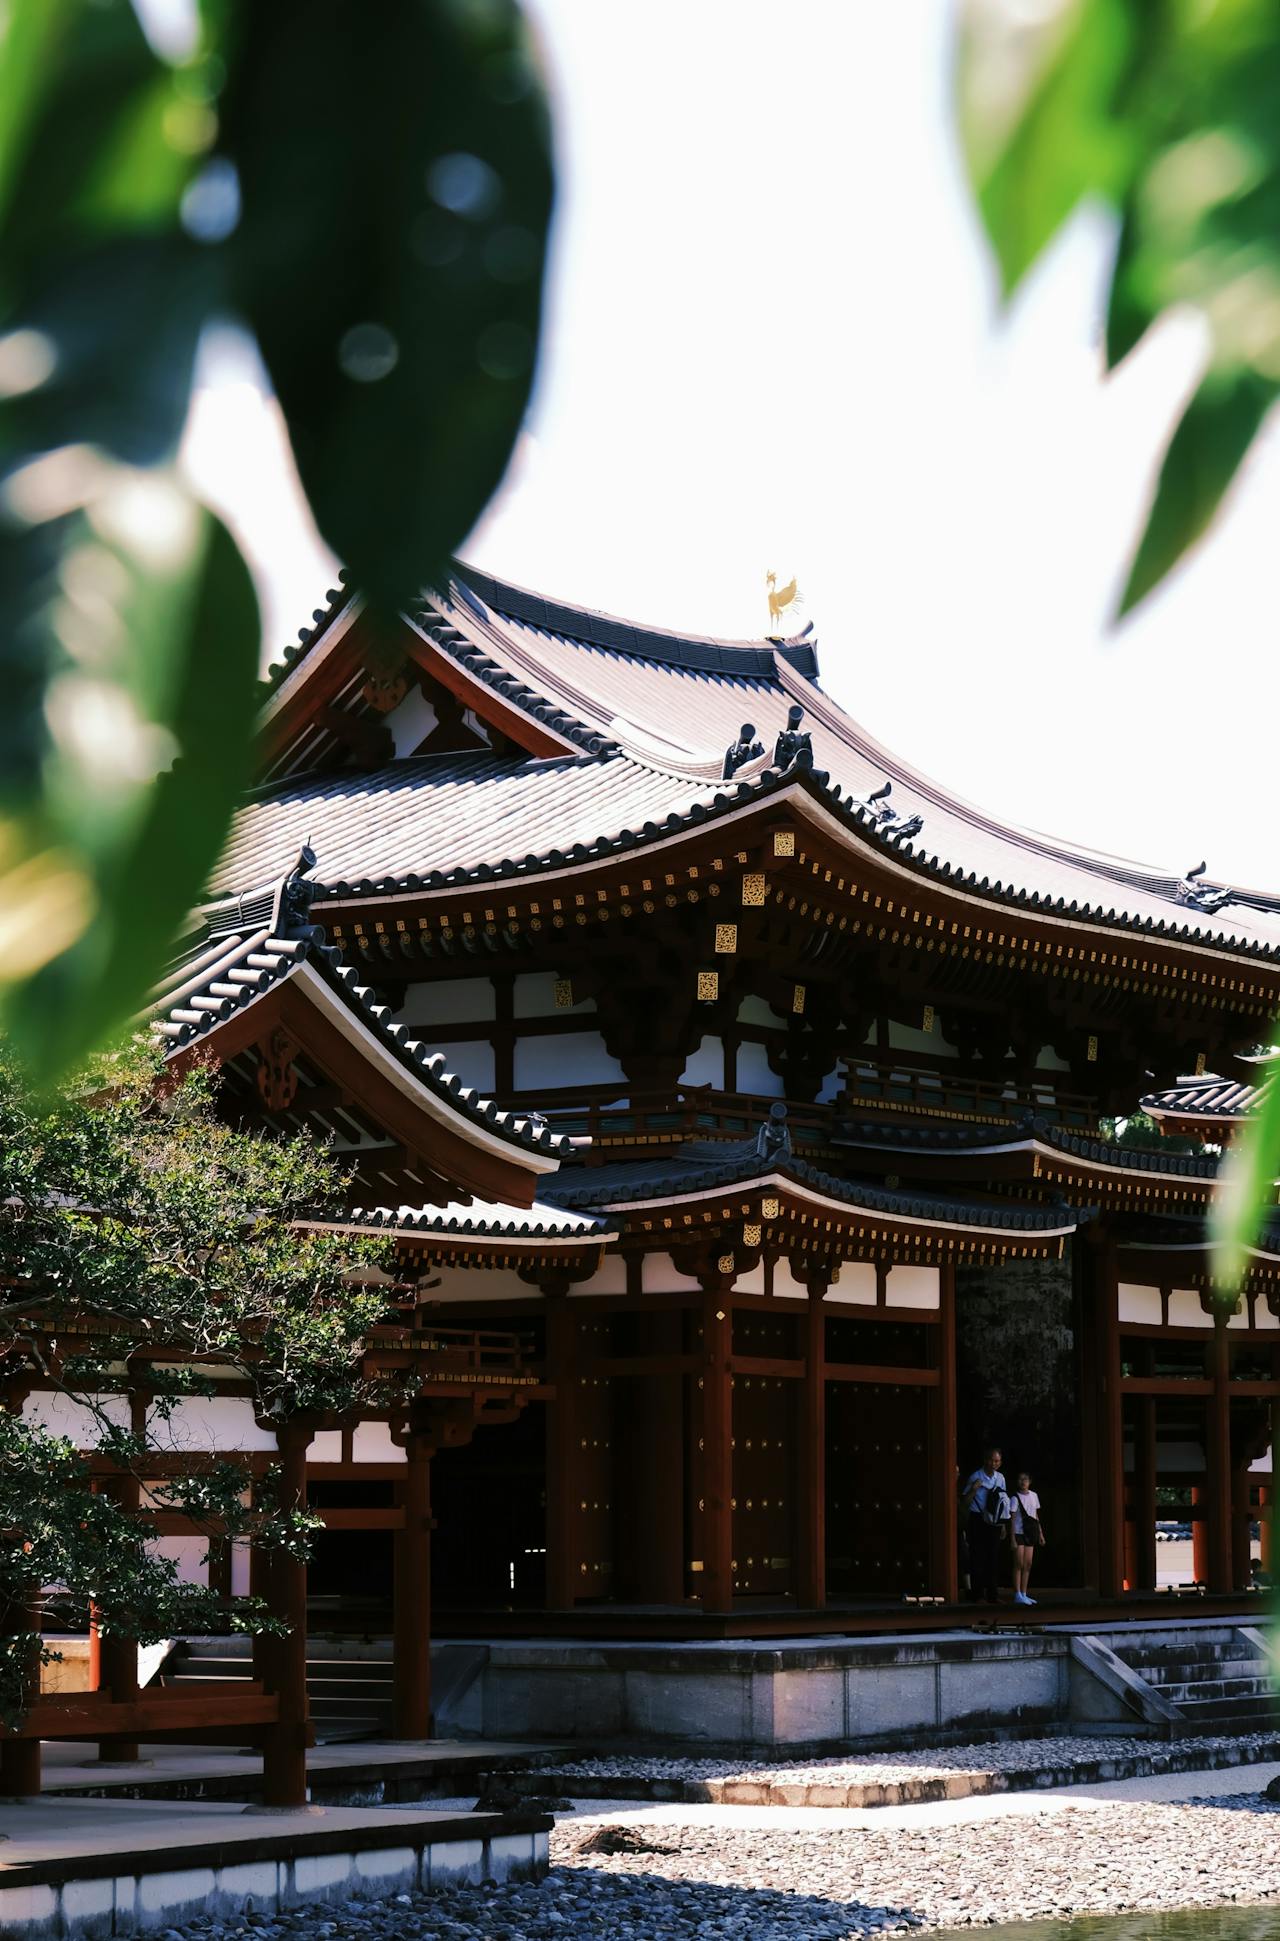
x=988 y=1504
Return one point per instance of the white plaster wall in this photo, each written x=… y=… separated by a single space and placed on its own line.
x=568 y=1058
x=62 y=1416
x=856 y=1286
x=326 y=1446
x=909 y=1037
x=785 y=1285
x=411 y=722
x=609 y=1278
x=1185 y=1310
x=472 y=1060
x=240 y=1569
x=754 y=1074
x=1262 y=1315
x=751 y=1283
x=916 y=1287
x=831 y=1085
x=453 y=1000
x=188 y=1553
x=1139 y=1304
x=659 y=1275
x=754 y=1010
x=1047 y=1060
x=215 y=1422
x=478 y=1284
x=371 y=1442
x=534 y=996
x=706 y=1065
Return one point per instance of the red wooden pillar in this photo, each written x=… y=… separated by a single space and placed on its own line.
x=1218 y=1455
x=118 y=1657
x=716 y=1451
x=411 y=1623
x=945 y=1561
x=284 y=1764
x=1106 y=1311
x=563 y=1469
x=811 y=1574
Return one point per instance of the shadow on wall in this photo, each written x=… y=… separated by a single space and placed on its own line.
x=1017 y=1381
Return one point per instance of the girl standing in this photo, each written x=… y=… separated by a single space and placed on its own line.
x=1026 y=1534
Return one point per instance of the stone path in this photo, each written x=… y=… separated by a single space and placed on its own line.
x=902 y=1778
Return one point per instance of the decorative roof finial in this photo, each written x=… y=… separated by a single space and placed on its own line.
x=773 y=1141
x=1198 y=896
x=794 y=746
x=295 y=897
x=745 y=749
x=780 y=598
x=889 y=822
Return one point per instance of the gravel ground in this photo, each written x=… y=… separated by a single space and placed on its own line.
x=998 y=1755
x=709 y=1880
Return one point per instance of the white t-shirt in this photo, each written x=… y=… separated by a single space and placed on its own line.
x=987 y=1480
x=1023 y=1502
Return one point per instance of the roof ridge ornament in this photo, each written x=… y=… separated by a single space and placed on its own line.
x=780 y=599
x=888 y=822
x=794 y=746
x=773 y=1140
x=291 y=917
x=1198 y=896
x=747 y=748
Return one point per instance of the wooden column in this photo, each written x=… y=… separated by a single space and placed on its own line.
x=716 y=1452
x=1106 y=1312
x=284 y=1764
x=945 y=1537
x=411 y=1670
x=1218 y=1456
x=118 y=1657
x=561 y=1450
x=811 y=1572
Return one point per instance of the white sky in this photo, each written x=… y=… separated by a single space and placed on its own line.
x=773 y=342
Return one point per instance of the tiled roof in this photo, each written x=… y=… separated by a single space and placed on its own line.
x=701 y=1168
x=491 y=816
x=1203 y=1098
x=677 y=703
x=294 y=651
x=229 y=972
x=485 y=1219
x=944 y=1139
x=448 y=818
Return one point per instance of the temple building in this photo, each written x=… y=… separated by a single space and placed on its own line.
x=740 y=1105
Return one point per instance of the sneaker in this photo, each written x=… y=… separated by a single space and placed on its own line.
x=1027 y=1600
x=1020 y=1597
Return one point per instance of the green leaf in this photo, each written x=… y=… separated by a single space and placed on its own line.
x=1215 y=432
x=390 y=259
x=1246 y=1189
x=1062 y=142
x=148 y=629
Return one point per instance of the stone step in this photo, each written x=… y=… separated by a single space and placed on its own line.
x=1186 y=1651
x=1262 y=1712
x=1195 y=1670
x=1202 y=1688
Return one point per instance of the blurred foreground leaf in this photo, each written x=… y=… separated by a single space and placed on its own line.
x=390 y=260
x=145 y=627
x=1246 y=1188
x=390 y=257
x=1166 y=111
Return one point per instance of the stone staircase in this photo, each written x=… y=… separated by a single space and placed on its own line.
x=349 y=1687
x=1217 y=1679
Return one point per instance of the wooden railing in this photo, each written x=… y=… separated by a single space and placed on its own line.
x=611 y=1116
x=476 y=1355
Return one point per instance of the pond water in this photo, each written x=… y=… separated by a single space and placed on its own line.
x=1182 y=1924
